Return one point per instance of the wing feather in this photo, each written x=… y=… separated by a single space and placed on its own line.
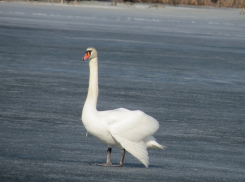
x=130 y=129
x=137 y=149
x=134 y=126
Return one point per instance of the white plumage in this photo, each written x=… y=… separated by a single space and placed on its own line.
x=121 y=128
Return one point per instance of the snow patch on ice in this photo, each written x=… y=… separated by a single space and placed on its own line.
x=39 y=14
x=17 y=13
x=213 y=23
x=228 y=24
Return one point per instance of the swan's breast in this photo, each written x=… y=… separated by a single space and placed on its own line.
x=98 y=127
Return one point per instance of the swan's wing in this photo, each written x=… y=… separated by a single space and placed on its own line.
x=130 y=128
x=137 y=149
x=121 y=109
x=133 y=125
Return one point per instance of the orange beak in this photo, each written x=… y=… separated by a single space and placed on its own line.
x=87 y=55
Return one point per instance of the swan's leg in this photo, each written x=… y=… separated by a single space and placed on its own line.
x=122 y=159
x=108 y=159
x=123 y=155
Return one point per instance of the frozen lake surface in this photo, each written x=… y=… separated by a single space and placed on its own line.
x=183 y=66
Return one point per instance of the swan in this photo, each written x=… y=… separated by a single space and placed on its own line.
x=128 y=130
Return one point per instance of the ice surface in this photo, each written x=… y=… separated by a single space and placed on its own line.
x=183 y=66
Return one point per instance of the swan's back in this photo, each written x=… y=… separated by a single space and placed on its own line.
x=132 y=125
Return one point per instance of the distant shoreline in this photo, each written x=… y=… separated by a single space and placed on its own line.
x=136 y=4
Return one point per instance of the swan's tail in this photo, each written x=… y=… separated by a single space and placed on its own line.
x=151 y=143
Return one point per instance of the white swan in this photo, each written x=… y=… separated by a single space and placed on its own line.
x=128 y=130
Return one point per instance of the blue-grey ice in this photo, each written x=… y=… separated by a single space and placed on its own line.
x=183 y=66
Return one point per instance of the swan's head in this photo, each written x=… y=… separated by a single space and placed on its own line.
x=90 y=53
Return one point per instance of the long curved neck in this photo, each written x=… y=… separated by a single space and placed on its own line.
x=93 y=89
